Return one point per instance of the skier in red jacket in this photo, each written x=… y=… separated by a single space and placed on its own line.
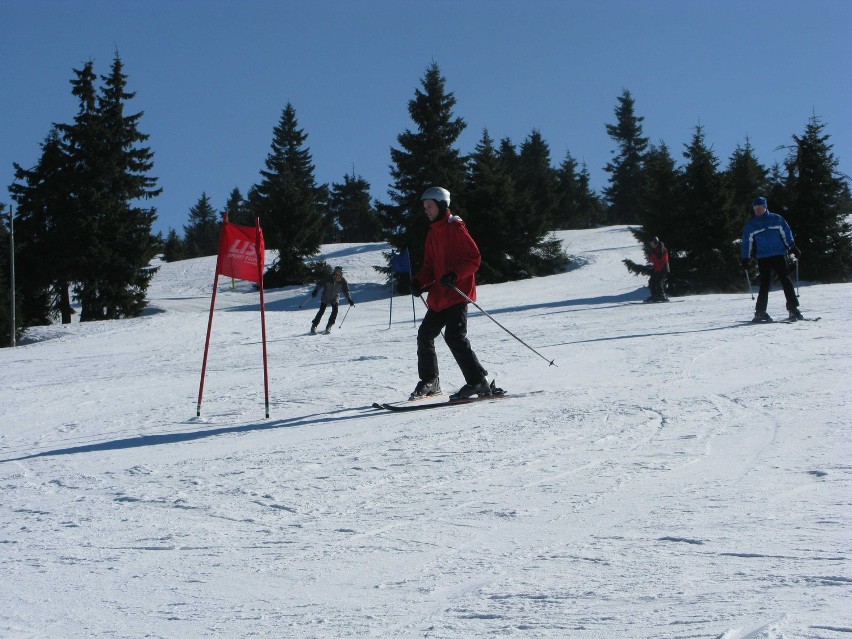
x=659 y=259
x=450 y=260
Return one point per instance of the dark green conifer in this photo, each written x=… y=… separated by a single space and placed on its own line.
x=426 y=157
x=289 y=203
x=626 y=168
x=819 y=206
x=351 y=213
x=201 y=234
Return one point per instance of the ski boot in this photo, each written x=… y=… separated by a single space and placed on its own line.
x=761 y=316
x=480 y=389
x=426 y=389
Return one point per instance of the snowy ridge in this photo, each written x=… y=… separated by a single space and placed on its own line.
x=677 y=474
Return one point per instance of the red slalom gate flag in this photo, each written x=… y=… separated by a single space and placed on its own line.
x=241 y=252
x=241 y=255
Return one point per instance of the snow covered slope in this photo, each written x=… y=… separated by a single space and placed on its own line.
x=678 y=473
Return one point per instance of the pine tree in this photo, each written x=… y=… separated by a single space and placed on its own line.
x=351 y=211
x=427 y=157
x=535 y=197
x=238 y=209
x=535 y=180
x=577 y=206
x=710 y=224
x=201 y=235
x=490 y=206
x=173 y=248
x=626 y=177
x=820 y=206
x=745 y=179
x=659 y=214
x=289 y=203
x=45 y=227
x=6 y=284
x=110 y=175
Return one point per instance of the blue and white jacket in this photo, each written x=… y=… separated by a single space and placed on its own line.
x=766 y=235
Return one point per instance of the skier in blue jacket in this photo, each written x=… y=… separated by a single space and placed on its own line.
x=768 y=237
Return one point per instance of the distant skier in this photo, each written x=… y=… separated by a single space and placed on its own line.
x=331 y=287
x=659 y=259
x=450 y=260
x=768 y=237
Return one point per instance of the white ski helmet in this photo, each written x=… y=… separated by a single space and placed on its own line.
x=439 y=195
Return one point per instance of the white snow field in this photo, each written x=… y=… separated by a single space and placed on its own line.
x=679 y=472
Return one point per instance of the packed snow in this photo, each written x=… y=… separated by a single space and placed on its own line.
x=678 y=472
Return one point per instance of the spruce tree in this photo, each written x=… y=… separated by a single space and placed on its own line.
x=351 y=211
x=819 y=206
x=238 y=209
x=535 y=197
x=6 y=327
x=535 y=180
x=426 y=157
x=201 y=234
x=45 y=227
x=577 y=206
x=490 y=212
x=626 y=168
x=710 y=224
x=745 y=178
x=173 y=248
x=110 y=176
x=289 y=203
x=659 y=213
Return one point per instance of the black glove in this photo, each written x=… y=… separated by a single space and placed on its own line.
x=314 y=294
x=416 y=290
x=745 y=263
x=351 y=303
x=449 y=279
x=795 y=251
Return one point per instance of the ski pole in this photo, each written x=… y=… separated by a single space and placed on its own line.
x=797 y=276
x=344 y=316
x=551 y=362
x=748 y=279
x=307 y=299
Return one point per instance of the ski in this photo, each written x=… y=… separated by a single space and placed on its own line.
x=405 y=402
x=409 y=406
x=800 y=319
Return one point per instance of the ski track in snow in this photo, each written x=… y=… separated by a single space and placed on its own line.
x=676 y=474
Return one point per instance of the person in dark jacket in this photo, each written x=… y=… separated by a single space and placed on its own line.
x=768 y=237
x=450 y=261
x=331 y=288
x=659 y=259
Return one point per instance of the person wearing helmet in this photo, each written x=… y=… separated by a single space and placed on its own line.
x=331 y=287
x=450 y=260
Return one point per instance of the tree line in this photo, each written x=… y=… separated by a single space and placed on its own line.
x=82 y=233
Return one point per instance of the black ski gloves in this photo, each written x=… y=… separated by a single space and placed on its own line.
x=416 y=290
x=745 y=263
x=795 y=251
x=449 y=279
x=314 y=294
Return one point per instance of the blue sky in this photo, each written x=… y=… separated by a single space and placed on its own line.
x=213 y=78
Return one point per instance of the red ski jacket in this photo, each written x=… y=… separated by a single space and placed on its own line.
x=659 y=258
x=449 y=247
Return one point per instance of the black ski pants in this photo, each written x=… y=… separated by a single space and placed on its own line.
x=454 y=322
x=778 y=264
x=657 y=283
x=331 y=318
